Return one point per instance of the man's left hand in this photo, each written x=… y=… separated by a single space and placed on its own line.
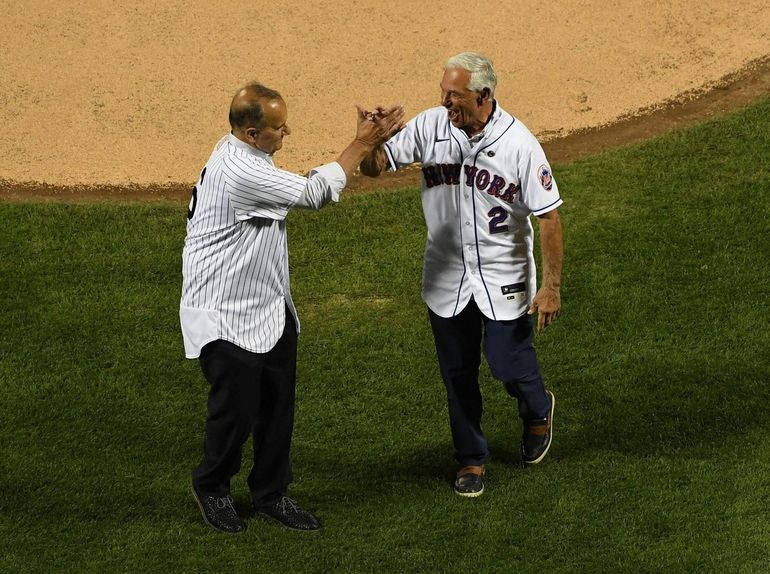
x=546 y=304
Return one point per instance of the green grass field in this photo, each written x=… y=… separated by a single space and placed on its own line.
x=659 y=362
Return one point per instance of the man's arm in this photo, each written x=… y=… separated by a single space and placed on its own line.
x=547 y=301
x=374 y=163
x=372 y=130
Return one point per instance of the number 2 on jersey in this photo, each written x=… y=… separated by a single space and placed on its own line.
x=497 y=215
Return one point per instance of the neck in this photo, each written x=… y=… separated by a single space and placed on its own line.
x=483 y=116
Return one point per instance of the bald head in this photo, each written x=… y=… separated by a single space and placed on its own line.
x=247 y=107
x=258 y=117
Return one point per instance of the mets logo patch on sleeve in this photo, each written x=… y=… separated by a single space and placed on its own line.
x=545 y=177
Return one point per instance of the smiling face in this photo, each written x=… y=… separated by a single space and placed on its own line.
x=468 y=110
x=270 y=138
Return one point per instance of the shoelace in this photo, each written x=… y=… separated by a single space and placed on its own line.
x=224 y=502
x=288 y=502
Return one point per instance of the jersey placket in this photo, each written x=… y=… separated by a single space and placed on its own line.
x=473 y=261
x=468 y=222
x=467 y=227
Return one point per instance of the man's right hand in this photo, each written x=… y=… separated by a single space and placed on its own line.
x=372 y=130
x=377 y=127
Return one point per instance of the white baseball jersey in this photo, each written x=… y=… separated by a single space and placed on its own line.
x=477 y=196
x=235 y=261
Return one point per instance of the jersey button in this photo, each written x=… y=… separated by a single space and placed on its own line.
x=467 y=223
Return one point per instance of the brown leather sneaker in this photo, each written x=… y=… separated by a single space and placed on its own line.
x=537 y=436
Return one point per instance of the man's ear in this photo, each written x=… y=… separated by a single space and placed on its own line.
x=483 y=96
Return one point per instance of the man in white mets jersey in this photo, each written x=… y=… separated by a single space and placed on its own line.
x=236 y=311
x=483 y=175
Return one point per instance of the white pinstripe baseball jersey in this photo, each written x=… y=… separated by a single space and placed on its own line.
x=477 y=196
x=235 y=265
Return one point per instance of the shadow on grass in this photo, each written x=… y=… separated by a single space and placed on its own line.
x=661 y=410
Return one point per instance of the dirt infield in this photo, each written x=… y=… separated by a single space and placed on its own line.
x=105 y=100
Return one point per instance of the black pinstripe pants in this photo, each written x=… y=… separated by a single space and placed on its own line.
x=251 y=394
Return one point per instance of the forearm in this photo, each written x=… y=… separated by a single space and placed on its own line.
x=352 y=156
x=374 y=163
x=552 y=249
x=372 y=131
x=319 y=192
x=325 y=187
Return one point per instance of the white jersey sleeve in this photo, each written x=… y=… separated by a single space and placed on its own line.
x=259 y=189
x=324 y=185
x=539 y=191
x=406 y=147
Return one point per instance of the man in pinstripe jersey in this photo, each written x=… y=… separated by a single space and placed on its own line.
x=484 y=175
x=236 y=311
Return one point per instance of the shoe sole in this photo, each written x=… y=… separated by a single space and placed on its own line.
x=205 y=518
x=550 y=438
x=281 y=524
x=469 y=494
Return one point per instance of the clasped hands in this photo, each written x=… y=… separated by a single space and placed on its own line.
x=376 y=127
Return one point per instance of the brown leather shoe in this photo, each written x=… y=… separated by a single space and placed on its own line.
x=537 y=436
x=470 y=481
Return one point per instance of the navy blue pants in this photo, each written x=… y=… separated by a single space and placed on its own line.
x=511 y=356
x=251 y=394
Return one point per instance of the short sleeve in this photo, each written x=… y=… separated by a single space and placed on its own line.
x=405 y=148
x=538 y=186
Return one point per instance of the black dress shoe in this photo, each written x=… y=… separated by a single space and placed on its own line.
x=288 y=514
x=218 y=512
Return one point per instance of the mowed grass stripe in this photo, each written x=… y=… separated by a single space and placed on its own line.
x=659 y=362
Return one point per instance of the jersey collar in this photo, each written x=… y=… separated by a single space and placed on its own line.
x=234 y=141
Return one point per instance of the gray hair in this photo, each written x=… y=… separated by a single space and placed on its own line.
x=480 y=68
